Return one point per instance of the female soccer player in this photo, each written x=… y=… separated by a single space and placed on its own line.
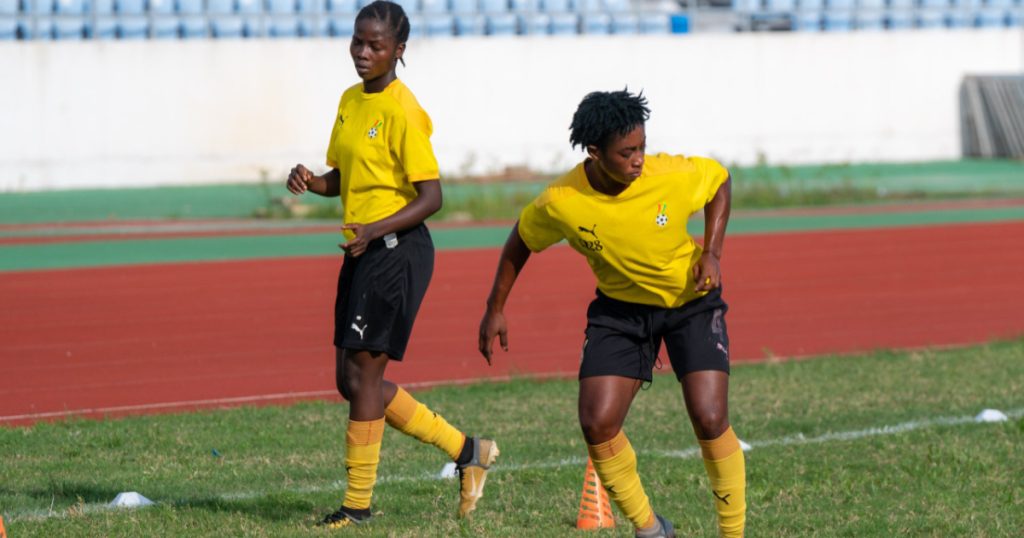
x=626 y=213
x=384 y=169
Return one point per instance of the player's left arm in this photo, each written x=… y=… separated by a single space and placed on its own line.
x=706 y=272
x=427 y=202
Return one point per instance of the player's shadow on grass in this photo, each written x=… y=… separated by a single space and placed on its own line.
x=61 y=494
x=280 y=507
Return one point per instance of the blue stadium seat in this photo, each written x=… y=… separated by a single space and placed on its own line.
x=901 y=4
x=990 y=18
x=1006 y=4
x=469 y=24
x=464 y=6
x=333 y=6
x=250 y=7
x=812 y=5
x=281 y=7
x=416 y=27
x=220 y=7
x=617 y=6
x=746 y=6
x=680 y=23
x=837 y=21
x=655 y=23
x=933 y=3
x=433 y=7
x=780 y=6
x=588 y=6
x=189 y=7
x=341 y=26
x=439 y=25
x=501 y=24
x=870 y=20
x=160 y=7
x=314 y=26
x=564 y=24
x=8 y=28
x=38 y=7
x=227 y=27
x=807 y=21
x=534 y=23
x=871 y=4
x=69 y=7
x=958 y=19
x=130 y=7
x=166 y=27
x=493 y=6
x=554 y=6
x=283 y=26
x=105 y=27
x=930 y=19
x=595 y=23
x=411 y=7
x=839 y=5
x=69 y=28
x=133 y=27
x=625 y=24
x=193 y=27
x=10 y=7
x=525 y=6
x=1015 y=17
x=899 y=20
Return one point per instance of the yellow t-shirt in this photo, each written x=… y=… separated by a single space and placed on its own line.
x=380 y=145
x=635 y=242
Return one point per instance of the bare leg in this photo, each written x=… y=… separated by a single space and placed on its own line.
x=359 y=376
x=706 y=394
x=603 y=405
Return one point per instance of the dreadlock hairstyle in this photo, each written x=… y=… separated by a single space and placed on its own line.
x=389 y=14
x=602 y=114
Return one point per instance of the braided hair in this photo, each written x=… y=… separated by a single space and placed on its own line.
x=390 y=15
x=602 y=114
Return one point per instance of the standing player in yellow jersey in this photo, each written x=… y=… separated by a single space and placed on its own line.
x=383 y=168
x=626 y=212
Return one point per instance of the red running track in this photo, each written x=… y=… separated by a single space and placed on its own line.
x=123 y=340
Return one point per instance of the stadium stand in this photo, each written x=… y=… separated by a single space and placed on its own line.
x=192 y=19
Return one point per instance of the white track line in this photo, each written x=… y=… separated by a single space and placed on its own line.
x=213 y=403
x=689 y=453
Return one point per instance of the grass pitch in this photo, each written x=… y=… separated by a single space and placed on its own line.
x=876 y=445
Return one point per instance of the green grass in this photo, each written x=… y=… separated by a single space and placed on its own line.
x=280 y=468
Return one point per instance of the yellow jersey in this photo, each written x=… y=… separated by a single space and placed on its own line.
x=380 y=145
x=635 y=242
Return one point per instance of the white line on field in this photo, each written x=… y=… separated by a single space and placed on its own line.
x=259 y=398
x=688 y=453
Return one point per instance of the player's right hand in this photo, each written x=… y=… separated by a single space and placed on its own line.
x=493 y=324
x=298 y=179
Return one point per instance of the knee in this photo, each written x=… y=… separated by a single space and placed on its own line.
x=597 y=429
x=710 y=423
x=348 y=383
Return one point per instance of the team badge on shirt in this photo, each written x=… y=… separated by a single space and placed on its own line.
x=662 y=218
x=375 y=129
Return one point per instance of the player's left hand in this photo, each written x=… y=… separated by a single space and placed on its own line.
x=364 y=233
x=707 y=273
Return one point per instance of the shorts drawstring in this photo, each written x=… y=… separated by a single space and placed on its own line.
x=650 y=354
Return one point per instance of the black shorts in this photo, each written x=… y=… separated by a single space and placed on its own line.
x=623 y=339
x=380 y=292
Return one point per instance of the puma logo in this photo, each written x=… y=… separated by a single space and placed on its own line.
x=592 y=231
x=360 y=330
x=722 y=349
x=721 y=498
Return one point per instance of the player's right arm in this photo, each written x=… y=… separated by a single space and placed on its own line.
x=513 y=257
x=301 y=180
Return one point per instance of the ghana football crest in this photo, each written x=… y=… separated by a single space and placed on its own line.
x=662 y=219
x=375 y=129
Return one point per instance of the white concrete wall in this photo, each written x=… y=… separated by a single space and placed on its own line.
x=169 y=112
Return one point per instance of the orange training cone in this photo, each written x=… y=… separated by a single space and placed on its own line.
x=595 y=509
x=3 y=533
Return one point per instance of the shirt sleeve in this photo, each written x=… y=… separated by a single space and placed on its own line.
x=411 y=147
x=536 y=226
x=710 y=176
x=334 y=133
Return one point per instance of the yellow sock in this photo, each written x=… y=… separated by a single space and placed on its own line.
x=412 y=418
x=362 y=442
x=723 y=460
x=615 y=463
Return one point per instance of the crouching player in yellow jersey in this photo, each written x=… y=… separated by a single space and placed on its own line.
x=384 y=169
x=626 y=212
